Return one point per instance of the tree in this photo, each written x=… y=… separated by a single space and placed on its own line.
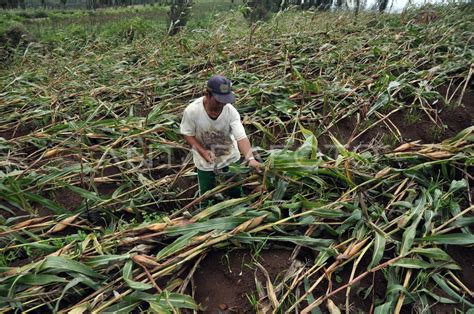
x=259 y=10
x=323 y=5
x=91 y=4
x=178 y=15
x=63 y=4
x=12 y=4
x=382 y=5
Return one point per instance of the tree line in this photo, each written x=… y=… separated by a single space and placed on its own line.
x=255 y=9
x=87 y=4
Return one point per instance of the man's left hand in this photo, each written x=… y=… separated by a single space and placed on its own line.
x=255 y=164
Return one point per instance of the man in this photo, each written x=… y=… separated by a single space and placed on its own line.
x=212 y=126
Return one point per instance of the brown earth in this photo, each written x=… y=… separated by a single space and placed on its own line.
x=225 y=279
x=464 y=257
x=18 y=131
x=451 y=119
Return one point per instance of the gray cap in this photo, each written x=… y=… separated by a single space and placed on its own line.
x=221 y=89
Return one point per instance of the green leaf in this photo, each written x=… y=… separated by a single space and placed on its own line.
x=384 y=308
x=463 y=222
x=409 y=234
x=437 y=297
x=441 y=282
x=121 y=308
x=221 y=206
x=310 y=297
x=179 y=244
x=127 y=270
x=310 y=145
x=412 y=263
x=224 y=223
x=379 y=248
x=452 y=238
x=102 y=260
x=351 y=221
x=467 y=134
x=84 y=193
x=40 y=279
x=457 y=185
x=280 y=190
x=139 y=286
x=60 y=263
x=299 y=240
x=323 y=212
x=45 y=202
x=340 y=148
x=127 y=277
x=177 y=300
x=434 y=253
x=381 y=101
x=71 y=284
x=165 y=299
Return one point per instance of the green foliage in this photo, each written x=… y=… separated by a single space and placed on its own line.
x=127 y=31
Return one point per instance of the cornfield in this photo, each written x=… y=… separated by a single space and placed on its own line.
x=366 y=135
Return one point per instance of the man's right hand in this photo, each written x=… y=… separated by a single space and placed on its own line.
x=205 y=153
x=208 y=155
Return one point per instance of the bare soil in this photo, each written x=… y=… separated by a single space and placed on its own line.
x=464 y=257
x=224 y=282
x=225 y=279
x=451 y=118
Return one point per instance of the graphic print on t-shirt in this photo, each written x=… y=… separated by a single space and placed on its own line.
x=217 y=142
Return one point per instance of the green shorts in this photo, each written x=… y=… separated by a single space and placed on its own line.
x=208 y=181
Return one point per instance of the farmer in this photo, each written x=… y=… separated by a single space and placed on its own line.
x=212 y=126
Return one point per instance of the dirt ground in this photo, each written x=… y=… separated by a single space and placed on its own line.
x=450 y=120
x=225 y=281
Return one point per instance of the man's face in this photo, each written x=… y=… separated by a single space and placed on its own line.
x=215 y=103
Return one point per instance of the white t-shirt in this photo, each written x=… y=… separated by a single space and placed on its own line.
x=219 y=136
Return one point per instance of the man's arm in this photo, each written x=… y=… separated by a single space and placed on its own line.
x=246 y=149
x=188 y=127
x=242 y=140
x=206 y=154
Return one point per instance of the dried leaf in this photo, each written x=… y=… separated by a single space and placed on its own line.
x=63 y=224
x=160 y=226
x=145 y=260
x=51 y=152
x=332 y=308
x=29 y=222
x=405 y=146
x=439 y=155
x=383 y=172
